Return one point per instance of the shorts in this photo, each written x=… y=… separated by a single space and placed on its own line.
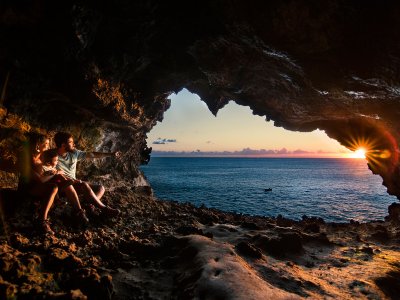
x=60 y=181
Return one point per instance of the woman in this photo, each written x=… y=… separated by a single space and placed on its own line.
x=30 y=183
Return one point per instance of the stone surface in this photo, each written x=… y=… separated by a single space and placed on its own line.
x=249 y=250
x=166 y=250
x=281 y=245
x=394 y=212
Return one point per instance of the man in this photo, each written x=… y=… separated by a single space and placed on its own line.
x=68 y=156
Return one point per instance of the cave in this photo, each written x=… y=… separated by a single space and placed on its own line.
x=116 y=64
x=104 y=71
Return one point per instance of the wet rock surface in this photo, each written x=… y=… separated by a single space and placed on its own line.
x=173 y=251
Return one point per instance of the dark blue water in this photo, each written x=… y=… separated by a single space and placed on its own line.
x=334 y=189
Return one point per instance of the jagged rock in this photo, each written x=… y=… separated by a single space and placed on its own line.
x=186 y=230
x=7 y=289
x=394 y=212
x=284 y=243
x=18 y=240
x=208 y=217
x=250 y=225
x=76 y=295
x=140 y=248
x=107 y=285
x=73 y=262
x=314 y=228
x=59 y=259
x=367 y=250
x=71 y=295
x=320 y=238
x=283 y=222
x=249 y=250
x=85 y=239
x=311 y=224
x=91 y=283
x=389 y=284
x=30 y=291
x=58 y=254
x=66 y=245
x=31 y=261
x=88 y=281
x=5 y=264
x=18 y=271
x=380 y=233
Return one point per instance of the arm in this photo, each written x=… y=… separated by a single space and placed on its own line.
x=46 y=178
x=40 y=176
x=47 y=175
x=102 y=154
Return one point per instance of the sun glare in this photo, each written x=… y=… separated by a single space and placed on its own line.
x=359 y=153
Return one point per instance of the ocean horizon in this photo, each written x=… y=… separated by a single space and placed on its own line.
x=211 y=154
x=336 y=189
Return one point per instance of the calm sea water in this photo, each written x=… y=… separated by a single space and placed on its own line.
x=334 y=189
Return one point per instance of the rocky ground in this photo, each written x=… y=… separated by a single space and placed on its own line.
x=166 y=250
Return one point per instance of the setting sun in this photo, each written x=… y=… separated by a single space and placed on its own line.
x=359 y=153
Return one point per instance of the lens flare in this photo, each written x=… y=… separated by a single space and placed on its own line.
x=359 y=153
x=378 y=146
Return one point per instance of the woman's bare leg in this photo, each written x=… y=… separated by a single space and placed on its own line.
x=72 y=197
x=47 y=192
x=53 y=190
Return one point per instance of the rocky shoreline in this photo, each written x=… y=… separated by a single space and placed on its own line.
x=167 y=250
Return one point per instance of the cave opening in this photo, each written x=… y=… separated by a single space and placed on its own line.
x=239 y=162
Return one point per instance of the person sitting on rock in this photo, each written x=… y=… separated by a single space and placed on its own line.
x=68 y=156
x=30 y=183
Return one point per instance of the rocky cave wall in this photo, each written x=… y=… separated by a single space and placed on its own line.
x=104 y=70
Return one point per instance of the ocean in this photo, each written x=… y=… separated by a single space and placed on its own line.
x=337 y=190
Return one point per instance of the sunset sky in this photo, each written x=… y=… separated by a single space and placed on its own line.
x=189 y=126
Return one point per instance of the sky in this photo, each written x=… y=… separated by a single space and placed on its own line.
x=189 y=126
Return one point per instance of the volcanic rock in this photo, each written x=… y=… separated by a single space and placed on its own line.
x=390 y=284
x=284 y=243
x=248 y=249
x=394 y=212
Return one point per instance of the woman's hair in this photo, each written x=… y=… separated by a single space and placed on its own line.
x=61 y=138
x=35 y=139
x=48 y=155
